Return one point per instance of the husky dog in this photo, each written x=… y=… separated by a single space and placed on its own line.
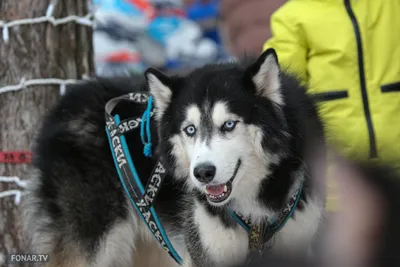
x=237 y=137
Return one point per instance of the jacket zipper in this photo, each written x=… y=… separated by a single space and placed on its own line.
x=372 y=142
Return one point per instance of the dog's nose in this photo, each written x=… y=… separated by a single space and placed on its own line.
x=204 y=172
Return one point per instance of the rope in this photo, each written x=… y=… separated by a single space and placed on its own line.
x=15 y=192
x=147 y=150
x=23 y=84
x=85 y=21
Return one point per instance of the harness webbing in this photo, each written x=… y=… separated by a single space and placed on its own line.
x=142 y=199
x=260 y=234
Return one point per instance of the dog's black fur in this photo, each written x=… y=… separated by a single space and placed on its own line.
x=79 y=188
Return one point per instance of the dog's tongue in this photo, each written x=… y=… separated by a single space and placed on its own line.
x=215 y=189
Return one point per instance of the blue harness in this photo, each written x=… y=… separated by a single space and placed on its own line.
x=142 y=199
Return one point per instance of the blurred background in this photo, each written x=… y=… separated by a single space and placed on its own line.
x=346 y=51
x=176 y=35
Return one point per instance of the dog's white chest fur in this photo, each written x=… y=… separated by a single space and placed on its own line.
x=298 y=234
x=227 y=246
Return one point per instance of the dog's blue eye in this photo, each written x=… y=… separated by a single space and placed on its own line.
x=229 y=126
x=190 y=130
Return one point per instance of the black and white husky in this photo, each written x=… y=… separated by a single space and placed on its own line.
x=238 y=141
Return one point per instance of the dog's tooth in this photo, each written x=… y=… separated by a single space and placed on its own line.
x=225 y=188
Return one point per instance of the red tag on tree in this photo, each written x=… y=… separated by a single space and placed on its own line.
x=16 y=157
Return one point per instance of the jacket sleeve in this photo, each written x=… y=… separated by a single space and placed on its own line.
x=288 y=40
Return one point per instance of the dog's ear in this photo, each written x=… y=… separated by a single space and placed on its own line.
x=264 y=74
x=160 y=88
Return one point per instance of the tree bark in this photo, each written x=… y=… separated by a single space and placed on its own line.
x=34 y=51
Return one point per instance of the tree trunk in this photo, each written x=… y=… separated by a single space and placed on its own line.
x=34 y=51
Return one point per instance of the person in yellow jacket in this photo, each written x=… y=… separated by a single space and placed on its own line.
x=348 y=52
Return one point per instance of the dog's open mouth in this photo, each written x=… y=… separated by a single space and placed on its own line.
x=220 y=192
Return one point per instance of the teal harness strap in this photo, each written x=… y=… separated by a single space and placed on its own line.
x=141 y=199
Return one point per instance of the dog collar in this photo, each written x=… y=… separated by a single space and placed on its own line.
x=261 y=234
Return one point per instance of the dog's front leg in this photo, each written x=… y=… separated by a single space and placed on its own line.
x=213 y=239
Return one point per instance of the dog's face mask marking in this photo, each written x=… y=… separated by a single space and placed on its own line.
x=219 y=129
x=215 y=140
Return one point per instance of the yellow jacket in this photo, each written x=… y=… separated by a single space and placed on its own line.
x=348 y=51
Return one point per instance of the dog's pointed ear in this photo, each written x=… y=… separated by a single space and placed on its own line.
x=264 y=73
x=160 y=88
